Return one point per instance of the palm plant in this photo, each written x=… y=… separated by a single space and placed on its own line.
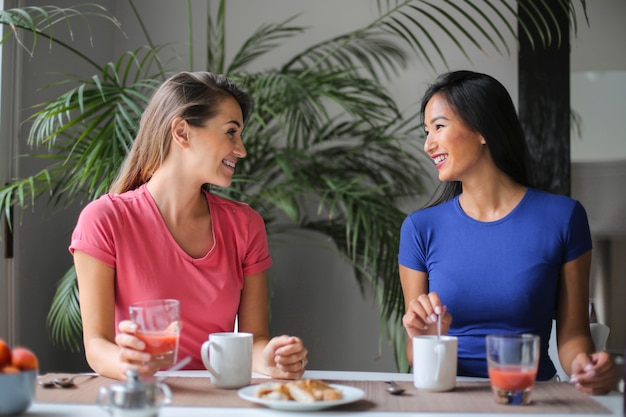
x=328 y=148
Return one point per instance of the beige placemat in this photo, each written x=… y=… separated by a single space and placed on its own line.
x=468 y=397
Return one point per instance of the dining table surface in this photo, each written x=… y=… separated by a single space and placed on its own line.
x=605 y=405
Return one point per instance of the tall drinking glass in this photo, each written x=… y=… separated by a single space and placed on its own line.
x=158 y=326
x=512 y=362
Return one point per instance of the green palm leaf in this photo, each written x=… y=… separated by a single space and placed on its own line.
x=262 y=41
x=64 y=321
x=41 y=22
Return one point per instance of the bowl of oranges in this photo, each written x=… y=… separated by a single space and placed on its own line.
x=18 y=376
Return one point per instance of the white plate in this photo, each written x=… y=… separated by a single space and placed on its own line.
x=350 y=394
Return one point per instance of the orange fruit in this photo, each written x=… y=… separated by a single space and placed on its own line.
x=24 y=359
x=9 y=369
x=5 y=354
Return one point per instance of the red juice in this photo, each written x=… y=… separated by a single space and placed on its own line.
x=512 y=377
x=158 y=343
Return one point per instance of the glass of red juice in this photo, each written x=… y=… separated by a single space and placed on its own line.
x=158 y=326
x=512 y=361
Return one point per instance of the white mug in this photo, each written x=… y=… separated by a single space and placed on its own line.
x=434 y=362
x=228 y=357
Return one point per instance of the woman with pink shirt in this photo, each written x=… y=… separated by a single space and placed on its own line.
x=159 y=233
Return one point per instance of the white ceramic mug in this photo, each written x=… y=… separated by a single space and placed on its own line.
x=434 y=362
x=228 y=357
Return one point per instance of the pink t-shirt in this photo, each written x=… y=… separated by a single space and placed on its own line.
x=126 y=231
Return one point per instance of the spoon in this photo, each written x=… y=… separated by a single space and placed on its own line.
x=46 y=384
x=64 y=382
x=174 y=368
x=438 y=326
x=58 y=382
x=394 y=389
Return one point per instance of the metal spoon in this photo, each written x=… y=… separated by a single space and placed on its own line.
x=174 y=368
x=64 y=382
x=394 y=389
x=438 y=326
x=46 y=384
x=58 y=382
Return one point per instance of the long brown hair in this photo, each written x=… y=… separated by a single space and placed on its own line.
x=196 y=97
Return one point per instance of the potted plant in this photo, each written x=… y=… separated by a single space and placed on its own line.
x=328 y=148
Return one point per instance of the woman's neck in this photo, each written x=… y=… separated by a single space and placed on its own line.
x=177 y=202
x=491 y=200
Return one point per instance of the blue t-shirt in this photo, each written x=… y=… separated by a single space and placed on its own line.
x=497 y=277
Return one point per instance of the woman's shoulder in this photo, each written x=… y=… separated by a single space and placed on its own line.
x=110 y=203
x=429 y=217
x=226 y=202
x=558 y=201
x=555 y=208
x=231 y=207
x=436 y=210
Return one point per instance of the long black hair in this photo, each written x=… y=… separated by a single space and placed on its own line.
x=485 y=105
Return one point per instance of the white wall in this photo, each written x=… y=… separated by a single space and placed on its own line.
x=315 y=294
x=599 y=83
x=599 y=45
x=599 y=100
x=598 y=64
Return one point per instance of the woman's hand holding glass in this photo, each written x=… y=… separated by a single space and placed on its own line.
x=149 y=341
x=136 y=354
x=132 y=353
x=422 y=315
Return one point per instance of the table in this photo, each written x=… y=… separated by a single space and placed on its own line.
x=612 y=401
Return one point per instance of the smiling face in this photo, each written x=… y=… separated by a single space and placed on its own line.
x=454 y=147
x=217 y=145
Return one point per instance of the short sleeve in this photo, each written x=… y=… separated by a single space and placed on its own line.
x=579 y=235
x=411 y=253
x=257 y=257
x=95 y=230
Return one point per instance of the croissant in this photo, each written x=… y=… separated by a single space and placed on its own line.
x=304 y=391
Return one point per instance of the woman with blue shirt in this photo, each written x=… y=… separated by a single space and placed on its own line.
x=490 y=251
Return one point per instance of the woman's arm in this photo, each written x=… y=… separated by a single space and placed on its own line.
x=97 y=307
x=593 y=373
x=281 y=357
x=421 y=307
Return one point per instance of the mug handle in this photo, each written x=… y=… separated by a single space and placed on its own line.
x=167 y=394
x=204 y=351
x=103 y=399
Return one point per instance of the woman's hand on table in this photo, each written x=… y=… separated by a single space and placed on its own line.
x=131 y=354
x=594 y=374
x=422 y=313
x=285 y=357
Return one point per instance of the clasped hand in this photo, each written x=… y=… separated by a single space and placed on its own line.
x=284 y=357
x=594 y=374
